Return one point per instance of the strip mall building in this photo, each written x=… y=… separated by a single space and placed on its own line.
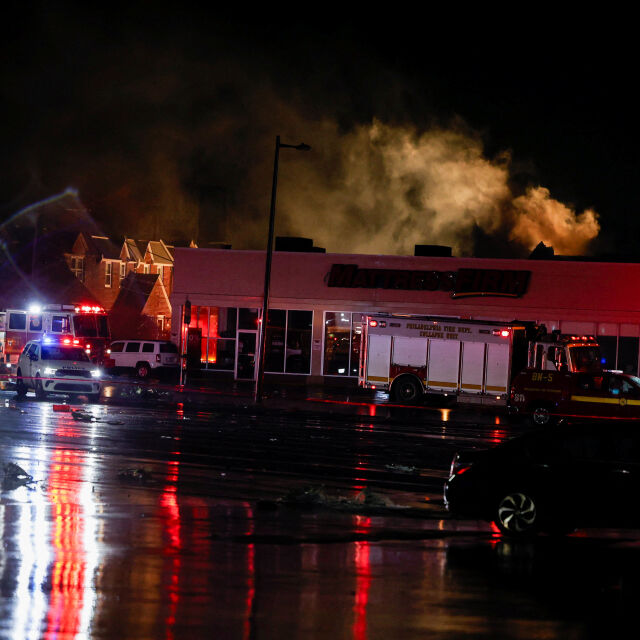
x=317 y=301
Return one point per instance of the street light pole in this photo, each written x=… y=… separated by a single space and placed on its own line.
x=267 y=268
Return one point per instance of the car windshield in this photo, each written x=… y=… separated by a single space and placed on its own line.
x=585 y=358
x=64 y=353
x=91 y=326
x=635 y=380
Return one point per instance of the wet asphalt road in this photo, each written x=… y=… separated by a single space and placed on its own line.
x=152 y=521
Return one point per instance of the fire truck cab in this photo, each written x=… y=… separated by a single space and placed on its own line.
x=564 y=379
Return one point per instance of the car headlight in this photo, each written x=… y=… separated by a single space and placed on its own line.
x=96 y=373
x=49 y=371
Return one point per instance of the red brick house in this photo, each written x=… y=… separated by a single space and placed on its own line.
x=142 y=308
x=104 y=266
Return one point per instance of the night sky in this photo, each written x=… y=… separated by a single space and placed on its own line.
x=486 y=134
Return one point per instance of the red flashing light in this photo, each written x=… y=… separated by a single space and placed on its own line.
x=373 y=323
x=67 y=341
x=461 y=470
x=87 y=308
x=504 y=333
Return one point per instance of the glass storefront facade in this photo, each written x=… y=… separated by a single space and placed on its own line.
x=288 y=339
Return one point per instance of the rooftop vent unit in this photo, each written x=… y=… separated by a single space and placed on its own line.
x=432 y=250
x=301 y=245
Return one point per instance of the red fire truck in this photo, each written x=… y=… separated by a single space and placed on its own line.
x=87 y=323
x=471 y=360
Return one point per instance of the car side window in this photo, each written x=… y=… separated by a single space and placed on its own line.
x=116 y=347
x=132 y=347
x=26 y=349
x=147 y=347
x=33 y=349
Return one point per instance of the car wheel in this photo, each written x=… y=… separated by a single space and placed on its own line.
x=407 y=389
x=518 y=514
x=40 y=392
x=143 y=370
x=21 y=387
x=541 y=416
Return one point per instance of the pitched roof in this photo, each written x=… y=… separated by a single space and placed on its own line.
x=102 y=246
x=160 y=252
x=134 y=293
x=132 y=249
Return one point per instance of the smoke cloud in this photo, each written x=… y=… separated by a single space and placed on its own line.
x=392 y=188
x=176 y=141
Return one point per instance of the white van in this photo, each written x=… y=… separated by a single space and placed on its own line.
x=144 y=356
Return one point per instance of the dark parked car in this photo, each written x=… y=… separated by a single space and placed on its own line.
x=552 y=480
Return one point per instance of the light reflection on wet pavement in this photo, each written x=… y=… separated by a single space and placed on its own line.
x=134 y=527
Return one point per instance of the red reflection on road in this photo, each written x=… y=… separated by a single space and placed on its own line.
x=251 y=579
x=363 y=579
x=68 y=573
x=171 y=512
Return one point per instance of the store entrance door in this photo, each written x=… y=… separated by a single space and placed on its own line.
x=246 y=355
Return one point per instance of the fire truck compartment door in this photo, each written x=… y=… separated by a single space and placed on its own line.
x=497 y=376
x=409 y=352
x=444 y=365
x=378 y=358
x=472 y=374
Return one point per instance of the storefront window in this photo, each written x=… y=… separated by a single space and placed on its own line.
x=288 y=341
x=628 y=355
x=248 y=319
x=608 y=349
x=356 y=335
x=337 y=343
x=342 y=339
x=298 y=352
x=275 y=341
x=216 y=327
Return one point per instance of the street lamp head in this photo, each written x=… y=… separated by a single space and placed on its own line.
x=298 y=147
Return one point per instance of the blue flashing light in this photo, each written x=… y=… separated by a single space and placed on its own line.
x=603 y=361
x=48 y=340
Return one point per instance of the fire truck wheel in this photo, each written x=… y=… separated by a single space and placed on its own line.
x=143 y=370
x=40 y=392
x=21 y=387
x=541 y=416
x=406 y=389
x=518 y=514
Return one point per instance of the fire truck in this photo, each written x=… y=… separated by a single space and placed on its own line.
x=468 y=360
x=85 y=323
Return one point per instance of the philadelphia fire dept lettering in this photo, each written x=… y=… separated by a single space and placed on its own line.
x=462 y=283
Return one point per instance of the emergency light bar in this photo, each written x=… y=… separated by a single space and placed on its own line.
x=375 y=323
x=85 y=308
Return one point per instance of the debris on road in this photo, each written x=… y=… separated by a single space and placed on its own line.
x=61 y=407
x=401 y=468
x=81 y=416
x=13 y=406
x=15 y=476
x=137 y=475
